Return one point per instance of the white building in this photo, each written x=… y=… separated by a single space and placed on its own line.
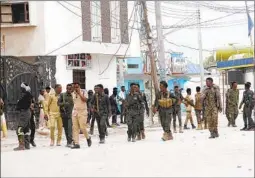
x=38 y=28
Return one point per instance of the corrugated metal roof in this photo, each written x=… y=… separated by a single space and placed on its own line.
x=194 y=68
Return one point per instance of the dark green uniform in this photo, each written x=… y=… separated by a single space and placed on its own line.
x=66 y=105
x=177 y=110
x=165 y=114
x=145 y=106
x=134 y=104
x=247 y=109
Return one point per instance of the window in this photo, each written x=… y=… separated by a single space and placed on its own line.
x=80 y=76
x=133 y=66
x=15 y=13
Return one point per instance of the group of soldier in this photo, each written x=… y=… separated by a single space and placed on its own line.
x=75 y=109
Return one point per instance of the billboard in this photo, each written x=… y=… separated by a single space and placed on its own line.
x=177 y=64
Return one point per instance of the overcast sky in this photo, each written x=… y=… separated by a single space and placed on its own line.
x=212 y=37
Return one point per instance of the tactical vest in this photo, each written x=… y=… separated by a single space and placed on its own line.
x=165 y=102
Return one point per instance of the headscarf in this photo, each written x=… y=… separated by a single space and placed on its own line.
x=25 y=86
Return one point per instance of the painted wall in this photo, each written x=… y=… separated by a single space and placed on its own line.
x=173 y=82
x=128 y=82
x=136 y=60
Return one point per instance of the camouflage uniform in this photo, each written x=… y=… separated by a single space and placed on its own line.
x=212 y=105
x=134 y=104
x=198 y=110
x=232 y=100
x=177 y=111
x=140 y=130
x=247 y=109
x=165 y=113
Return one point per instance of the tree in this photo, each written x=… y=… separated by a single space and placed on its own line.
x=209 y=61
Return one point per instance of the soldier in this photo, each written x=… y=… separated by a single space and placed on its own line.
x=52 y=113
x=91 y=132
x=140 y=132
x=106 y=92
x=248 y=106
x=226 y=110
x=66 y=104
x=32 y=123
x=122 y=95
x=212 y=105
x=90 y=95
x=133 y=105
x=101 y=108
x=198 y=108
x=114 y=105
x=188 y=101
x=177 y=109
x=23 y=107
x=232 y=100
x=79 y=116
x=164 y=105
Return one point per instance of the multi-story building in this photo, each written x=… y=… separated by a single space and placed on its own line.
x=83 y=37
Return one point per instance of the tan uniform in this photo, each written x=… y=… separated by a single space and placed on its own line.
x=188 y=110
x=53 y=111
x=199 y=110
x=79 y=117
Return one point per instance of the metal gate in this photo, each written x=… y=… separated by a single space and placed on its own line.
x=12 y=73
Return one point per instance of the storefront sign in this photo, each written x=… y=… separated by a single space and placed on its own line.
x=238 y=63
x=78 y=61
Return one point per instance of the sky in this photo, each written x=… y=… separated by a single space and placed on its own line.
x=212 y=37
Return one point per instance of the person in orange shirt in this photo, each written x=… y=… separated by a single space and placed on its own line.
x=52 y=113
x=80 y=115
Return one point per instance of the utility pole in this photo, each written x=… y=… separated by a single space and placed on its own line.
x=121 y=70
x=200 y=47
x=161 y=47
x=149 y=43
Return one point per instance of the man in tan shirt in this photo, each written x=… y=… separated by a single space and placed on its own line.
x=52 y=113
x=80 y=115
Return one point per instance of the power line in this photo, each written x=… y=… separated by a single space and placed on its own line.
x=108 y=65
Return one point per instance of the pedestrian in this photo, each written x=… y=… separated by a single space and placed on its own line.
x=212 y=106
x=23 y=107
x=122 y=95
x=198 y=108
x=52 y=114
x=41 y=100
x=164 y=105
x=248 y=103
x=232 y=100
x=114 y=106
x=92 y=123
x=90 y=95
x=106 y=92
x=66 y=104
x=46 y=97
x=102 y=109
x=145 y=106
x=32 y=124
x=80 y=115
x=133 y=104
x=2 y=117
x=189 y=103
x=177 y=109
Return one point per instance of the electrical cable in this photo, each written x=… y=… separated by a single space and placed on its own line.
x=126 y=30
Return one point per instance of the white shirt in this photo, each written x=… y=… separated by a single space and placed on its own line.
x=122 y=95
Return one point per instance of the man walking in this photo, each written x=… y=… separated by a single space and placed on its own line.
x=134 y=104
x=32 y=124
x=65 y=102
x=90 y=95
x=177 y=109
x=52 y=113
x=213 y=105
x=92 y=123
x=140 y=132
x=102 y=110
x=164 y=105
x=80 y=115
x=248 y=103
x=23 y=107
x=114 y=105
x=198 y=108
x=188 y=101
x=122 y=96
x=232 y=101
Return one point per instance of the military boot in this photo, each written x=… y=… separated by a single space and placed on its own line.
x=170 y=136
x=143 y=135
x=216 y=134
x=89 y=142
x=185 y=127
x=21 y=143
x=129 y=136
x=27 y=142
x=193 y=126
x=102 y=140
x=165 y=136
x=180 y=130
x=212 y=135
x=138 y=137
x=175 y=131
x=32 y=142
x=245 y=128
x=133 y=138
x=199 y=127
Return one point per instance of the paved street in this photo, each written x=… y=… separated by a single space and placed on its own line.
x=189 y=154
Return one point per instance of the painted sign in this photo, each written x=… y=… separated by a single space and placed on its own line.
x=178 y=64
x=238 y=63
x=78 y=61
